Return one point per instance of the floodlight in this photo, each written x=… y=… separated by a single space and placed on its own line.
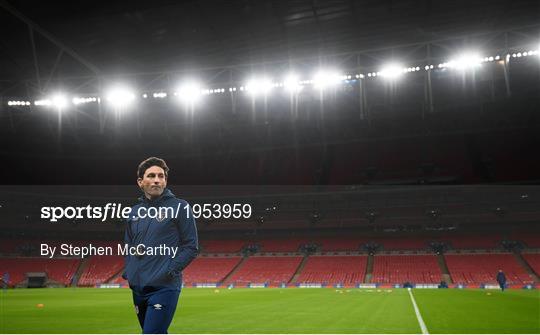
x=43 y=102
x=159 y=95
x=292 y=83
x=326 y=78
x=261 y=86
x=392 y=71
x=464 y=61
x=79 y=100
x=189 y=92
x=59 y=101
x=120 y=96
x=18 y=103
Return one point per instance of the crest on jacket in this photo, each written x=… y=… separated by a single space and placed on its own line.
x=162 y=214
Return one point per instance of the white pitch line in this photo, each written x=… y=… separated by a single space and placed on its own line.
x=417 y=311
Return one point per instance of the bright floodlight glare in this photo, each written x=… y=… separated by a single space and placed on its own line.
x=326 y=78
x=464 y=61
x=189 y=92
x=120 y=96
x=261 y=86
x=292 y=83
x=79 y=100
x=391 y=71
x=59 y=101
x=43 y=102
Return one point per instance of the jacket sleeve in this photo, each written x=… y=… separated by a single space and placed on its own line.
x=188 y=240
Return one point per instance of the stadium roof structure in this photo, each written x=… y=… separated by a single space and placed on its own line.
x=434 y=120
x=83 y=44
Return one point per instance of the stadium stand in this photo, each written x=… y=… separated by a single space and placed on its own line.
x=59 y=269
x=398 y=269
x=270 y=270
x=24 y=246
x=119 y=280
x=217 y=246
x=100 y=269
x=482 y=268
x=340 y=243
x=531 y=240
x=384 y=159
x=475 y=242
x=533 y=260
x=280 y=245
x=12 y=246
x=209 y=269
x=407 y=243
x=331 y=270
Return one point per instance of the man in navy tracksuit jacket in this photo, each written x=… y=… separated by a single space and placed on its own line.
x=156 y=280
x=501 y=279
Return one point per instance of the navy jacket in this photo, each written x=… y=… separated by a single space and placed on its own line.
x=149 y=273
x=501 y=278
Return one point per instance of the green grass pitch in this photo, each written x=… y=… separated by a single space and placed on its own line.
x=79 y=310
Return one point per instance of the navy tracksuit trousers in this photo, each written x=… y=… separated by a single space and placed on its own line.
x=155 y=310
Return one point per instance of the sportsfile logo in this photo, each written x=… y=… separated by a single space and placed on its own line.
x=119 y=211
x=112 y=211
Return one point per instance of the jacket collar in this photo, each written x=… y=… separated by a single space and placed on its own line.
x=167 y=194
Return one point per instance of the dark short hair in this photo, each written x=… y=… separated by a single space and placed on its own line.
x=148 y=163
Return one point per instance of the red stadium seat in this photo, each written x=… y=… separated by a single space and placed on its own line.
x=281 y=245
x=404 y=243
x=217 y=246
x=331 y=270
x=58 y=269
x=209 y=269
x=270 y=270
x=483 y=268
x=534 y=261
x=340 y=243
x=100 y=269
x=418 y=269
x=531 y=240
x=475 y=242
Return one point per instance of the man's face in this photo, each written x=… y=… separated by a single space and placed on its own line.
x=153 y=182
